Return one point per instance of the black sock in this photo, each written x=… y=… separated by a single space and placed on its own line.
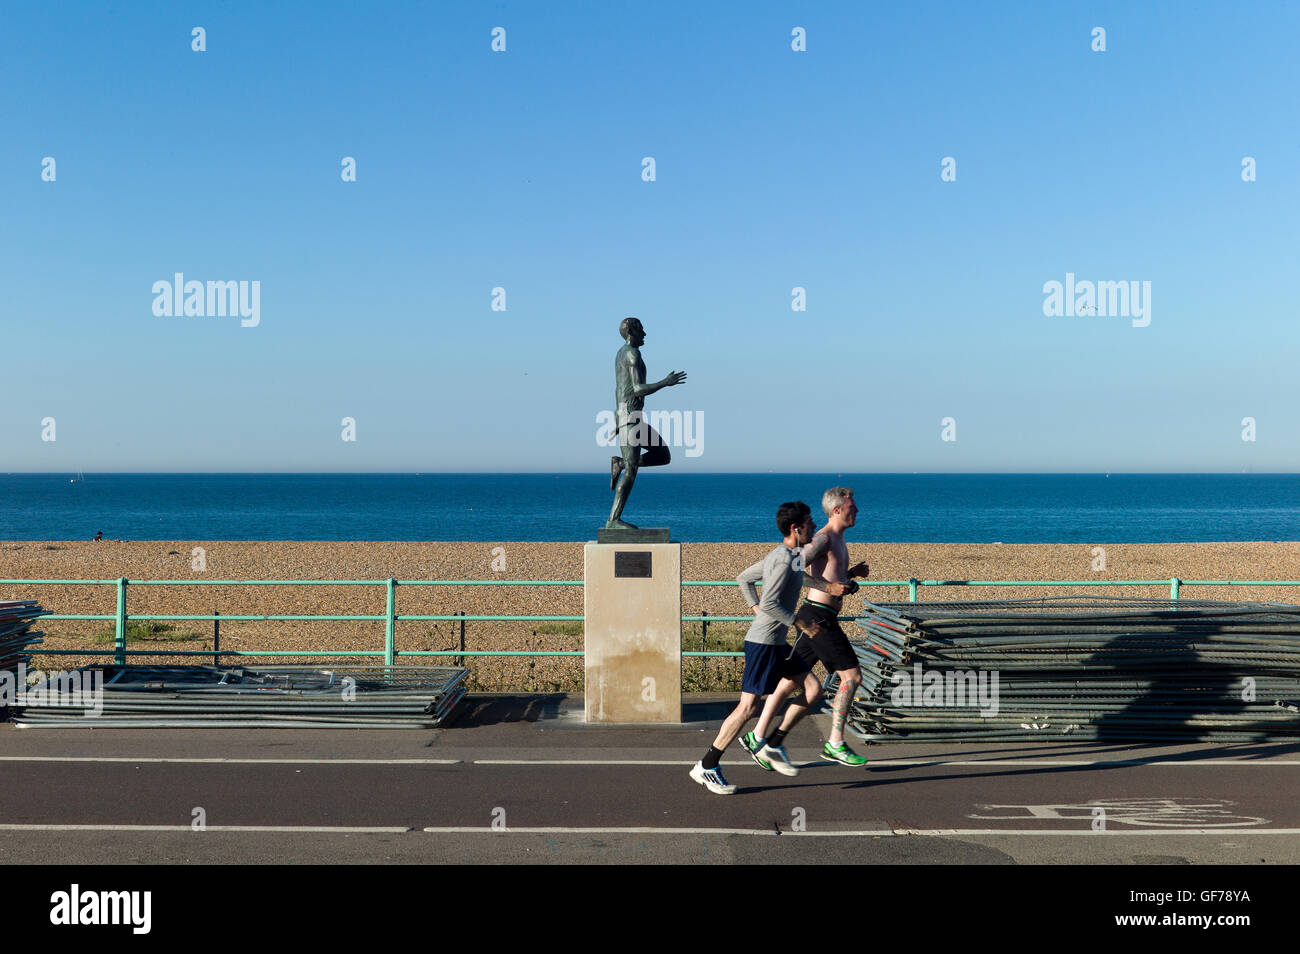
x=711 y=759
x=776 y=738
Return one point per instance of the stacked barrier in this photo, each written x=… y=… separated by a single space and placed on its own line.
x=1080 y=667
x=375 y=697
x=16 y=636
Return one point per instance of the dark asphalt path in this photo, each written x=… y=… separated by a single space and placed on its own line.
x=493 y=789
x=822 y=797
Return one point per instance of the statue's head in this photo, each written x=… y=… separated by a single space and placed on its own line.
x=632 y=331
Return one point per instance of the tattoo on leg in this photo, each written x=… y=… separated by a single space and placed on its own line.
x=843 y=699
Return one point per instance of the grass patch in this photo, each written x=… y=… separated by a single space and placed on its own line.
x=562 y=628
x=148 y=630
x=715 y=674
x=723 y=637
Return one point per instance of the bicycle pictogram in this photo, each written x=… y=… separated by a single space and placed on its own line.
x=1137 y=812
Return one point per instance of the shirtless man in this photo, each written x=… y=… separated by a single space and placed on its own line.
x=817 y=620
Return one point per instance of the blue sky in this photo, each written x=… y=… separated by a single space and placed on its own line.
x=774 y=169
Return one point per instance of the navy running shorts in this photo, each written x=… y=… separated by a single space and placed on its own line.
x=766 y=666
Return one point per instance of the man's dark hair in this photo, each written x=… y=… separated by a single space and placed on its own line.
x=625 y=326
x=791 y=514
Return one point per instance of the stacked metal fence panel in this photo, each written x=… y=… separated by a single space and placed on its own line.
x=16 y=635
x=1077 y=667
x=392 y=697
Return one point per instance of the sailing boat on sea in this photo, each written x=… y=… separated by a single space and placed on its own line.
x=79 y=479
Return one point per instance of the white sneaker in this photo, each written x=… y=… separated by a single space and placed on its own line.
x=712 y=780
x=776 y=757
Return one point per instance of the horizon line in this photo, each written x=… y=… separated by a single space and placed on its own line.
x=605 y=473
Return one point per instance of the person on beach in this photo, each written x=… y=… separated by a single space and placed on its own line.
x=769 y=662
x=821 y=638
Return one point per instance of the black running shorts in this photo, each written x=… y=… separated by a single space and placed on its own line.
x=766 y=666
x=831 y=647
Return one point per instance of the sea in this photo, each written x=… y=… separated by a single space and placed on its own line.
x=940 y=508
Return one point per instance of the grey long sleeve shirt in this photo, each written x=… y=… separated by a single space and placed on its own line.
x=782 y=573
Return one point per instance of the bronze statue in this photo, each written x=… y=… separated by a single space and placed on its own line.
x=640 y=443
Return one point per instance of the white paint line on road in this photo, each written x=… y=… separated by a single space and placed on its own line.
x=865 y=833
x=233 y=762
x=1108 y=833
x=299 y=829
x=731 y=763
x=894 y=763
x=677 y=763
x=497 y=832
x=905 y=763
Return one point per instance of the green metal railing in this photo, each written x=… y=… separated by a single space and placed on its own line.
x=390 y=617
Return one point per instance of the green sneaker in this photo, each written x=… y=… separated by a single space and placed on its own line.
x=750 y=744
x=842 y=754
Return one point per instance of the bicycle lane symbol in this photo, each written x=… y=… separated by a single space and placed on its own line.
x=1136 y=812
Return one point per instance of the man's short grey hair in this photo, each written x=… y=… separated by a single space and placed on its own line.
x=836 y=497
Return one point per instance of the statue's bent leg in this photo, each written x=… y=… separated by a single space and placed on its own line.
x=656 y=451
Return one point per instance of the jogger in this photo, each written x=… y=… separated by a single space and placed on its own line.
x=821 y=638
x=768 y=658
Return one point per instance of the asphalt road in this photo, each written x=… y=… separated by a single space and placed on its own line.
x=524 y=780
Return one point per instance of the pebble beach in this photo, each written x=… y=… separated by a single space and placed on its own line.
x=498 y=561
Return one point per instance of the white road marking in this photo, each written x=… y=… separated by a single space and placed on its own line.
x=342 y=829
x=906 y=763
x=234 y=762
x=730 y=763
x=497 y=832
x=594 y=762
x=864 y=833
x=452 y=830
x=1108 y=833
x=1076 y=762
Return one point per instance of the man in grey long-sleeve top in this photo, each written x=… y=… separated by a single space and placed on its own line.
x=783 y=576
x=769 y=663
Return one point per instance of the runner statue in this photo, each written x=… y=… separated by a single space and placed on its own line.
x=640 y=443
